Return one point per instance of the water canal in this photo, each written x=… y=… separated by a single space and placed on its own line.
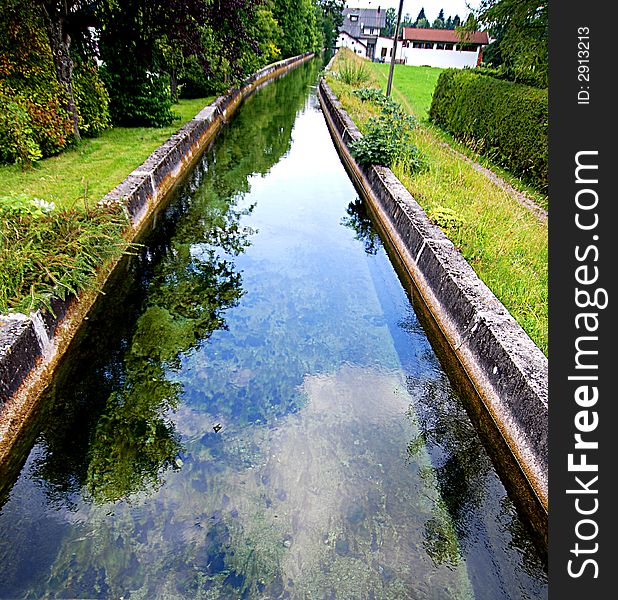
x=254 y=410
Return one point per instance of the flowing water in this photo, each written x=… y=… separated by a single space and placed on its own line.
x=254 y=410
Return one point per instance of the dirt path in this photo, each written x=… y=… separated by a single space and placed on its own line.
x=526 y=202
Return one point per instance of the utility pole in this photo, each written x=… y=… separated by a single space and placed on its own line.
x=390 y=72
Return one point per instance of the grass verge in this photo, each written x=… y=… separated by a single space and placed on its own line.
x=51 y=250
x=53 y=253
x=505 y=243
x=95 y=166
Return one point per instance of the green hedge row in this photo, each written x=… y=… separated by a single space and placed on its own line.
x=503 y=120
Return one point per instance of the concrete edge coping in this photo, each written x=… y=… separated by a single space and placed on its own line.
x=29 y=344
x=508 y=370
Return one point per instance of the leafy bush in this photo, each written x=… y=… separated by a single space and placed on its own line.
x=137 y=98
x=16 y=139
x=32 y=125
x=47 y=253
x=194 y=83
x=33 y=121
x=52 y=128
x=91 y=99
x=388 y=137
x=503 y=120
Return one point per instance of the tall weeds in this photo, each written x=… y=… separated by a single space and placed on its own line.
x=46 y=253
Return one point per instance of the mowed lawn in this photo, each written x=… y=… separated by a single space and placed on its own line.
x=504 y=242
x=95 y=166
x=412 y=86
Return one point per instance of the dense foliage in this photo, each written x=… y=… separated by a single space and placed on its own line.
x=519 y=29
x=74 y=67
x=504 y=120
x=388 y=136
x=33 y=117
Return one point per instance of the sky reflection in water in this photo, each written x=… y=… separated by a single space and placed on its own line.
x=343 y=465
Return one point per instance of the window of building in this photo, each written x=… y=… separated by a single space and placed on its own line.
x=353 y=17
x=467 y=47
x=417 y=45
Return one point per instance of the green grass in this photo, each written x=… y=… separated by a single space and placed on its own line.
x=504 y=242
x=412 y=86
x=96 y=165
x=46 y=254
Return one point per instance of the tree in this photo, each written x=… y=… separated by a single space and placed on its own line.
x=329 y=20
x=406 y=21
x=521 y=31
x=60 y=17
x=297 y=19
x=421 y=17
x=391 y=21
x=439 y=21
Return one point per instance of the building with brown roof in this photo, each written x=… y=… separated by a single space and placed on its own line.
x=442 y=47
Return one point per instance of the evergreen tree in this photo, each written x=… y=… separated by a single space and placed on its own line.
x=439 y=21
x=421 y=17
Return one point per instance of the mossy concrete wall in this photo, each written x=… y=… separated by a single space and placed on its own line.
x=508 y=371
x=32 y=345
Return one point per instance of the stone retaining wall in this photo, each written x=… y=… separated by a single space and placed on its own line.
x=506 y=368
x=31 y=345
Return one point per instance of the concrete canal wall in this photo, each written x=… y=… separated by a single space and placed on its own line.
x=32 y=345
x=508 y=371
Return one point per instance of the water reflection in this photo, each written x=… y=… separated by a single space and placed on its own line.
x=358 y=220
x=250 y=415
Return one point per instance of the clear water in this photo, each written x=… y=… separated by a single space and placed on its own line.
x=255 y=411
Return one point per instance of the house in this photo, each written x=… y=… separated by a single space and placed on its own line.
x=442 y=47
x=345 y=40
x=360 y=30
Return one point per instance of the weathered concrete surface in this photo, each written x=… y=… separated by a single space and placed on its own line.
x=508 y=371
x=32 y=345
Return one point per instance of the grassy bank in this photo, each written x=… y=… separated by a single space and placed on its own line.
x=96 y=165
x=504 y=242
x=46 y=251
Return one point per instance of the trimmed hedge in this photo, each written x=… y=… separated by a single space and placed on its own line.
x=503 y=120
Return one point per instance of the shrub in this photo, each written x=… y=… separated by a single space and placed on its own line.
x=52 y=128
x=388 y=136
x=138 y=98
x=33 y=121
x=91 y=99
x=194 y=83
x=16 y=140
x=503 y=120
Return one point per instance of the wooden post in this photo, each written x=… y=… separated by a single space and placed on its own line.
x=390 y=71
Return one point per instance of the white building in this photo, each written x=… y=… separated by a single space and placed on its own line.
x=384 y=50
x=345 y=40
x=442 y=48
x=361 y=29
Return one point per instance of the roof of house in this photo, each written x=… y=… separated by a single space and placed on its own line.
x=443 y=35
x=374 y=18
